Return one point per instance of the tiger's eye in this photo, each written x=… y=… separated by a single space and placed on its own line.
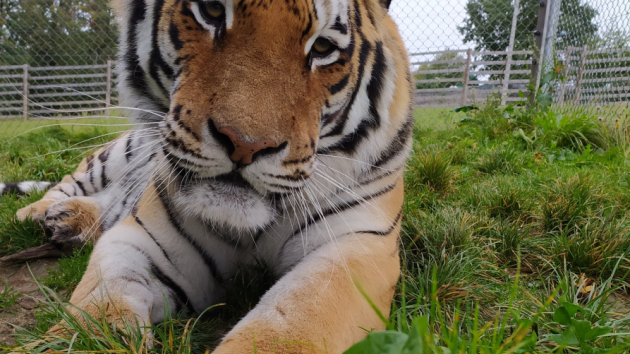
x=322 y=45
x=212 y=10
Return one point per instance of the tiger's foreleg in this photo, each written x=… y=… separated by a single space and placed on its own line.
x=317 y=307
x=125 y=281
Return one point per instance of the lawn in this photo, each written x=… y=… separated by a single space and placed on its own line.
x=516 y=238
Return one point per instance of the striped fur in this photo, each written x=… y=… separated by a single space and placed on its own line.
x=26 y=187
x=321 y=203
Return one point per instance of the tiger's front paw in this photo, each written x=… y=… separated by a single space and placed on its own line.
x=35 y=211
x=75 y=220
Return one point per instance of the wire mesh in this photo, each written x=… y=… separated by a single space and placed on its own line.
x=56 y=55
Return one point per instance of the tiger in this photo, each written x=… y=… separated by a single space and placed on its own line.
x=272 y=131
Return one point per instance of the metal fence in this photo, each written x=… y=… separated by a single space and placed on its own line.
x=56 y=55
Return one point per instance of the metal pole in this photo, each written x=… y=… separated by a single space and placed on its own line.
x=540 y=37
x=580 y=74
x=108 y=88
x=466 y=76
x=25 y=92
x=565 y=74
x=508 y=63
x=553 y=16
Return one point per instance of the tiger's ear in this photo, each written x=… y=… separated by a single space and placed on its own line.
x=385 y=3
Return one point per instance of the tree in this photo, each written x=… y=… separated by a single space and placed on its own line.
x=489 y=22
x=56 y=32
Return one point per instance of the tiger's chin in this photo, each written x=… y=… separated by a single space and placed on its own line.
x=227 y=202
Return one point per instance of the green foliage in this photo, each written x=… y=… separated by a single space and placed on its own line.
x=432 y=171
x=52 y=33
x=575 y=132
x=70 y=271
x=559 y=210
x=566 y=204
x=488 y=24
x=97 y=335
x=8 y=296
x=502 y=159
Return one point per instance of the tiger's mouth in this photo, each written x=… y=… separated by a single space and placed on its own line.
x=234 y=179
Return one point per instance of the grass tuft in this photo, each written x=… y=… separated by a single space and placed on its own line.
x=433 y=170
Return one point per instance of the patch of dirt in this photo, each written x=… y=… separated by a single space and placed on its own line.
x=22 y=313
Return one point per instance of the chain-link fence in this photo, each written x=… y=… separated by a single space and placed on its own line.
x=56 y=55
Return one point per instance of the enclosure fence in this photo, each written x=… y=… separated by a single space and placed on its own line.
x=56 y=56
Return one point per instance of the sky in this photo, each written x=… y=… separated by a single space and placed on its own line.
x=431 y=25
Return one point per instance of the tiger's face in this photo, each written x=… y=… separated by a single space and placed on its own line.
x=254 y=81
x=254 y=91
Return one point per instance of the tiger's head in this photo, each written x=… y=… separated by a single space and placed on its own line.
x=253 y=90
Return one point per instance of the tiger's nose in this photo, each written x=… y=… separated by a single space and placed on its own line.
x=244 y=152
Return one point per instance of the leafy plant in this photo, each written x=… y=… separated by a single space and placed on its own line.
x=8 y=296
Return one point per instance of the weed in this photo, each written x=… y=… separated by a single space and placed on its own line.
x=8 y=296
x=571 y=131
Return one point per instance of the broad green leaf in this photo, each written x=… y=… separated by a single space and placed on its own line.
x=572 y=308
x=565 y=338
x=387 y=342
x=584 y=331
x=465 y=108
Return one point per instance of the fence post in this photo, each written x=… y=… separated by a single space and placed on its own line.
x=565 y=74
x=578 y=84
x=108 y=89
x=538 y=47
x=506 y=79
x=466 y=78
x=508 y=63
x=553 y=17
x=25 y=91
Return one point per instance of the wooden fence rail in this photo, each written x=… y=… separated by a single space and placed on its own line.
x=460 y=77
x=55 y=91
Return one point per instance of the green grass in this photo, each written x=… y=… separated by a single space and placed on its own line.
x=516 y=234
x=8 y=296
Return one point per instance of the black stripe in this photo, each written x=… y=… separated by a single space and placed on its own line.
x=375 y=86
x=152 y=237
x=103 y=157
x=64 y=192
x=182 y=298
x=80 y=185
x=210 y=263
x=309 y=25
x=338 y=26
x=372 y=232
x=364 y=52
x=12 y=188
x=350 y=142
x=173 y=32
x=156 y=61
x=90 y=170
x=397 y=144
x=385 y=232
x=357 y=15
x=136 y=78
x=128 y=147
x=337 y=209
x=334 y=89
